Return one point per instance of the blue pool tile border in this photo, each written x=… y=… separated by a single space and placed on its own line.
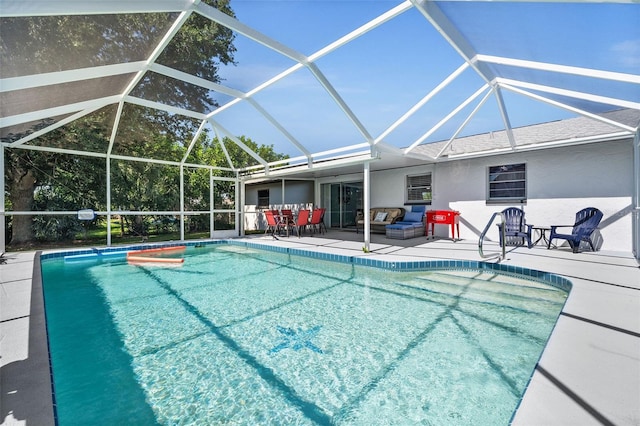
x=124 y=249
x=547 y=277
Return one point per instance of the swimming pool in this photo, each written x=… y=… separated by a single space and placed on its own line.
x=238 y=335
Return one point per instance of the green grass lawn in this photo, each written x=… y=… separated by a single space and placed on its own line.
x=97 y=236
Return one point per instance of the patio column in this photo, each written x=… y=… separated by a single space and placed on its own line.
x=239 y=204
x=2 y=213
x=635 y=213
x=212 y=218
x=283 y=189
x=108 y=172
x=181 y=203
x=367 y=206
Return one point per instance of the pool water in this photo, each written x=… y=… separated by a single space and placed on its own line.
x=245 y=337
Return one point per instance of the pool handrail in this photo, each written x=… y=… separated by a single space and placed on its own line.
x=484 y=232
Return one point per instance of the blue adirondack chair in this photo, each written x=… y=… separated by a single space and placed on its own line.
x=517 y=232
x=587 y=220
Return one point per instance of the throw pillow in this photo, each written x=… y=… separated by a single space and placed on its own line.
x=380 y=217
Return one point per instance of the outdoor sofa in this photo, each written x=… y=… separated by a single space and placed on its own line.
x=411 y=225
x=379 y=218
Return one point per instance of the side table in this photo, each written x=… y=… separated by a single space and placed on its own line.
x=542 y=234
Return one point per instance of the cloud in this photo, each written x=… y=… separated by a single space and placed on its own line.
x=628 y=53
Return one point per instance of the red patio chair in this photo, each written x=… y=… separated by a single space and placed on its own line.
x=301 y=221
x=274 y=224
x=317 y=220
x=288 y=214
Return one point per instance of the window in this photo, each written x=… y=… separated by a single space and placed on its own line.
x=508 y=183
x=419 y=189
x=263 y=198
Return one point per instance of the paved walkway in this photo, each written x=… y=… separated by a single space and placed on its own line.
x=588 y=374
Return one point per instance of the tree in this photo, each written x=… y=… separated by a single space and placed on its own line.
x=78 y=182
x=209 y=151
x=33 y=45
x=240 y=157
x=140 y=186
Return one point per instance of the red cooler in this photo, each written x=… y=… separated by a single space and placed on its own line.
x=443 y=217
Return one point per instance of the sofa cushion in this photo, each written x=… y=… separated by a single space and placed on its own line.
x=412 y=217
x=393 y=213
x=398 y=226
x=404 y=230
x=410 y=224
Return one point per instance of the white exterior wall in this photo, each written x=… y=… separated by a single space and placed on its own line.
x=297 y=195
x=560 y=182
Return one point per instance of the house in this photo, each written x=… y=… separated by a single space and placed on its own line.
x=344 y=127
x=556 y=169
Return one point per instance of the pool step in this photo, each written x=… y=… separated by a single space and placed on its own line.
x=483 y=287
x=496 y=283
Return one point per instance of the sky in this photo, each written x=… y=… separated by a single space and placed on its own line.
x=384 y=73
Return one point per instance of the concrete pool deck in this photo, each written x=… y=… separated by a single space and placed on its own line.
x=588 y=374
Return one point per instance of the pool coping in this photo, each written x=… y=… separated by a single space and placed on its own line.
x=117 y=254
x=572 y=383
x=414 y=265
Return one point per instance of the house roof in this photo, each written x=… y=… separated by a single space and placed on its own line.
x=572 y=131
x=418 y=71
x=567 y=132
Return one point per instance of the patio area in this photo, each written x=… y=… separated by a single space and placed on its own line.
x=480 y=113
x=589 y=372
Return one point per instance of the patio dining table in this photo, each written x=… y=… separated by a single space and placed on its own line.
x=286 y=221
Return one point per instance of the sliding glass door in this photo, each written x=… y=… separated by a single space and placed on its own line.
x=342 y=200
